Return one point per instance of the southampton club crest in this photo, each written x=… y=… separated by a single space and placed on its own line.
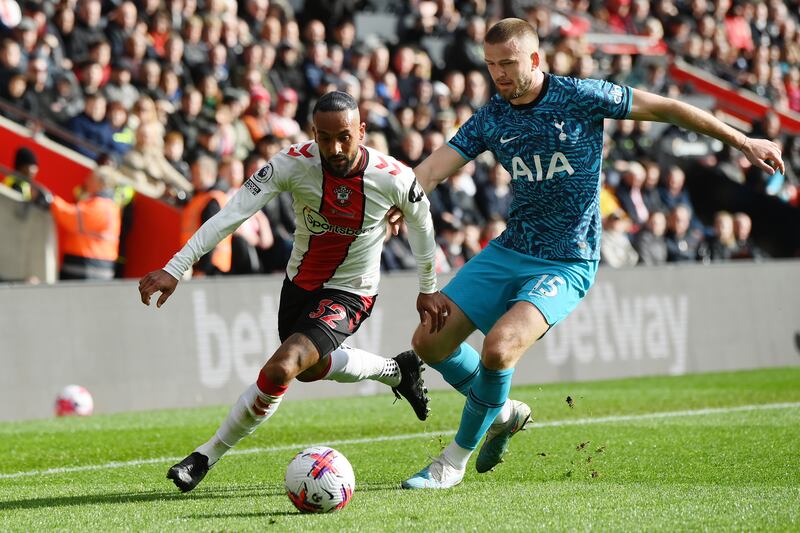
x=342 y=193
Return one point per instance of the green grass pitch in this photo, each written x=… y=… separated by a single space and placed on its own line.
x=702 y=452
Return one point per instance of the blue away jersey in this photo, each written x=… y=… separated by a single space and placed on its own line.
x=553 y=149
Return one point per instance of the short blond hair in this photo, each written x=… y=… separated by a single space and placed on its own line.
x=512 y=28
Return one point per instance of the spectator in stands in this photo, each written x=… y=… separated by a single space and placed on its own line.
x=476 y=92
x=650 y=192
x=682 y=244
x=411 y=146
x=494 y=198
x=89 y=28
x=174 y=152
x=721 y=246
x=119 y=86
x=150 y=171
x=15 y=93
x=147 y=81
x=67 y=99
x=195 y=50
x=26 y=34
x=616 y=249
x=90 y=229
x=465 y=52
x=254 y=236
x=122 y=136
x=314 y=64
x=10 y=60
x=121 y=24
x=406 y=80
x=745 y=247
x=173 y=59
x=650 y=243
x=287 y=70
x=236 y=101
x=91 y=126
x=672 y=192
x=26 y=165
x=209 y=198
x=450 y=238
x=396 y=253
x=630 y=194
x=462 y=193
x=257 y=117
x=38 y=86
x=282 y=122
x=186 y=118
x=170 y=86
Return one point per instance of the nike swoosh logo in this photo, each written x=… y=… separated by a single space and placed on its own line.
x=503 y=140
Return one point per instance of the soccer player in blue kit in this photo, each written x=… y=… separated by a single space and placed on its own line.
x=547 y=131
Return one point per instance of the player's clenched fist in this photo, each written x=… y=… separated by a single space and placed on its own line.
x=157 y=280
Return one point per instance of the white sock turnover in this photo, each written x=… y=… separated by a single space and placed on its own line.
x=349 y=365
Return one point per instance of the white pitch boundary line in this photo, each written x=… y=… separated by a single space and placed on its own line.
x=409 y=436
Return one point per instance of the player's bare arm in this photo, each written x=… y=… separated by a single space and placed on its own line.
x=763 y=153
x=437 y=167
x=155 y=281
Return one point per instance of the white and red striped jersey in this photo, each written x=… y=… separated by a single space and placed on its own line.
x=341 y=222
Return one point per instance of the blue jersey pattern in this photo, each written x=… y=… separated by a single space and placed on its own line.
x=553 y=148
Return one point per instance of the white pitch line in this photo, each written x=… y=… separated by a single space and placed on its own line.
x=408 y=436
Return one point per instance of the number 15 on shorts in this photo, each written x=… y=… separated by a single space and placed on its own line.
x=546 y=285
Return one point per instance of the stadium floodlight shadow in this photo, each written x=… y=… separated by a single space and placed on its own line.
x=143 y=496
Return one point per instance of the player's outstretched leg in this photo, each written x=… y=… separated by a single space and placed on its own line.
x=498 y=435
x=485 y=401
x=255 y=405
x=402 y=373
x=411 y=386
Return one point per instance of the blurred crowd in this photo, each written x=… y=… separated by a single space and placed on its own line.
x=184 y=96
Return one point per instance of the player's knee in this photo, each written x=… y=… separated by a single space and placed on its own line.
x=284 y=366
x=500 y=352
x=424 y=346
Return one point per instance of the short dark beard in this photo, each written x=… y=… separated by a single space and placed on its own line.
x=336 y=172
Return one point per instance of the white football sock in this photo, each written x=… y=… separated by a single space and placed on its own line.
x=505 y=413
x=456 y=455
x=252 y=408
x=349 y=365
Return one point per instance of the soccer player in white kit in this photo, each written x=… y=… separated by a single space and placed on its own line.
x=342 y=192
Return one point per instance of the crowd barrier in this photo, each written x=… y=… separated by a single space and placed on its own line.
x=210 y=339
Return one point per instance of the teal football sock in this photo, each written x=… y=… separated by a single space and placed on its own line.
x=459 y=368
x=485 y=399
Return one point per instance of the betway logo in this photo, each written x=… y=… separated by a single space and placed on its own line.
x=318 y=224
x=558 y=164
x=239 y=345
x=609 y=329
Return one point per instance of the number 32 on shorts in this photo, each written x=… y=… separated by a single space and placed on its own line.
x=329 y=312
x=546 y=285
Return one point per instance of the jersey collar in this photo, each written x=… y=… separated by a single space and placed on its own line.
x=539 y=97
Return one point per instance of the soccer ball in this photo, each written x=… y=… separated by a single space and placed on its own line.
x=74 y=400
x=319 y=480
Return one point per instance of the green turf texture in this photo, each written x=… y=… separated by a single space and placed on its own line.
x=721 y=470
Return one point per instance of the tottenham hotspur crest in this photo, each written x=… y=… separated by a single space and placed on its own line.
x=560 y=127
x=342 y=195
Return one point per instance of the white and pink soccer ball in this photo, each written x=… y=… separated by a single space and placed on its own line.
x=319 y=480
x=74 y=400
